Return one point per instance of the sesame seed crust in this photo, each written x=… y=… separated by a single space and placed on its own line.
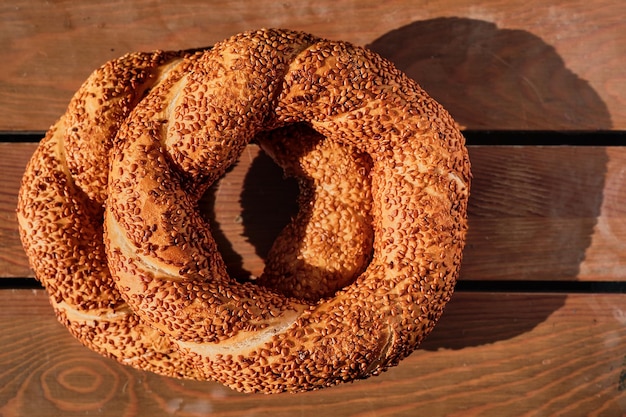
x=108 y=212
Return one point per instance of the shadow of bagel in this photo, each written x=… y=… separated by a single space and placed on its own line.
x=491 y=78
x=496 y=79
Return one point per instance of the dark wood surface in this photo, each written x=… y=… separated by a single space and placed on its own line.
x=537 y=326
x=497 y=64
x=491 y=354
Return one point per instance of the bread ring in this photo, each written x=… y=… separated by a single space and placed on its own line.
x=182 y=119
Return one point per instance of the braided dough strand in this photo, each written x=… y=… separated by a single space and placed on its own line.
x=60 y=217
x=385 y=181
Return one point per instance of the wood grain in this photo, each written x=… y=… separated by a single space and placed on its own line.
x=491 y=355
x=520 y=64
x=536 y=213
x=13 y=160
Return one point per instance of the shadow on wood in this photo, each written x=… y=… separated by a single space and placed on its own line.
x=478 y=319
x=493 y=78
x=267 y=200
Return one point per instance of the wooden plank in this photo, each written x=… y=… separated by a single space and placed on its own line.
x=547 y=213
x=491 y=354
x=13 y=160
x=519 y=64
x=536 y=213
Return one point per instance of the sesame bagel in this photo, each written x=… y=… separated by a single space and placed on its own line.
x=108 y=212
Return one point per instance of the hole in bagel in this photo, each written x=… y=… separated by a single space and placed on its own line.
x=246 y=209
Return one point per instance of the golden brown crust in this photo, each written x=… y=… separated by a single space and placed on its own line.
x=352 y=285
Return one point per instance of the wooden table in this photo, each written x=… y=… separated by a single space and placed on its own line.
x=538 y=323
